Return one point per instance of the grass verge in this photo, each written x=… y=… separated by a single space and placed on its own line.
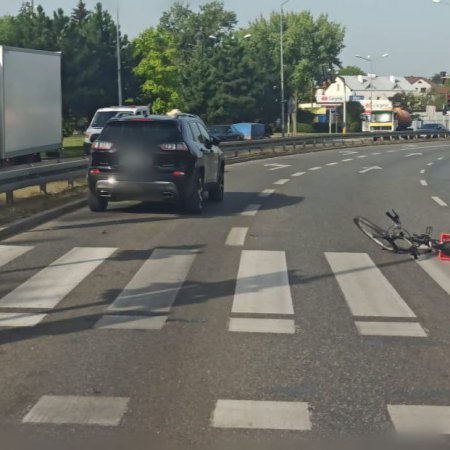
x=72 y=147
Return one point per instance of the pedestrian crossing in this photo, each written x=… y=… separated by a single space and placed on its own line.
x=262 y=300
x=370 y=295
x=152 y=291
x=262 y=304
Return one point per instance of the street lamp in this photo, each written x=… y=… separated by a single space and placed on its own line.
x=371 y=75
x=119 y=62
x=283 y=119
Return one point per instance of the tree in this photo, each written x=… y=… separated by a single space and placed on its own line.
x=354 y=111
x=157 y=54
x=351 y=70
x=7 y=31
x=309 y=45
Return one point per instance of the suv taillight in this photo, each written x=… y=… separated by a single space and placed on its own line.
x=174 y=147
x=101 y=146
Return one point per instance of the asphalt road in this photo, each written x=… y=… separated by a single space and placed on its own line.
x=268 y=322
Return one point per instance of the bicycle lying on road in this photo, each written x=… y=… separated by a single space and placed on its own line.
x=397 y=239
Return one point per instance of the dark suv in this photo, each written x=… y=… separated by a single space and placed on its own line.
x=156 y=158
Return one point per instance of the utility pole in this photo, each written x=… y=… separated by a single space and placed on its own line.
x=283 y=118
x=119 y=63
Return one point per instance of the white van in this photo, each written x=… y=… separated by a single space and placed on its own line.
x=102 y=116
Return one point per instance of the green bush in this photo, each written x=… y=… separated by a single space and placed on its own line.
x=354 y=127
x=305 y=128
x=321 y=127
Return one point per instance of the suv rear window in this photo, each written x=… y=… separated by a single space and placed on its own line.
x=148 y=133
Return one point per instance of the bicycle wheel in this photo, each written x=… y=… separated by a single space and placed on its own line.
x=376 y=233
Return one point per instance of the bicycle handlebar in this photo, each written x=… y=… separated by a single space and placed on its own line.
x=394 y=217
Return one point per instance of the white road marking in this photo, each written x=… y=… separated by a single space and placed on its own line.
x=413 y=154
x=422 y=171
x=347 y=152
x=391 y=151
x=369 y=169
x=236 y=237
x=49 y=286
x=103 y=411
x=420 y=419
x=248 y=325
x=155 y=286
x=401 y=329
x=439 y=271
x=262 y=284
x=266 y=193
x=439 y=201
x=20 y=319
x=251 y=210
x=347 y=160
x=131 y=322
x=362 y=156
x=375 y=153
x=262 y=415
x=298 y=174
x=333 y=164
x=423 y=182
x=441 y=158
x=10 y=252
x=315 y=168
x=282 y=181
x=367 y=291
x=277 y=166
x=430 y=164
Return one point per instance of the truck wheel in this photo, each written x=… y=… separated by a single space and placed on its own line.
x=97 y=204
x=193 y=203
x=216 y=193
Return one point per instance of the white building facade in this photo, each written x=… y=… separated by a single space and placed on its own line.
x=363 y=87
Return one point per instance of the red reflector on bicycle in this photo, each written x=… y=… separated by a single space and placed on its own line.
x=445 y=237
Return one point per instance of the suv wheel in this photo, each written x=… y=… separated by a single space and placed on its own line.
x=194 y=202
x=216 y=192
x=97 y=204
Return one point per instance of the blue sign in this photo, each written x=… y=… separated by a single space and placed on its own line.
x=356 y=98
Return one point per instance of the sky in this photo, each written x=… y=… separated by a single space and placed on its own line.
x=415 y=33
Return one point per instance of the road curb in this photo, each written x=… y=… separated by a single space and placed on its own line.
x=38 y=219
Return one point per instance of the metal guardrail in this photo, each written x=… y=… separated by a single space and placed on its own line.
x=18 y=177
x=39 y=174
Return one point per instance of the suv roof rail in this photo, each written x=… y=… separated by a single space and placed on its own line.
x=186 y=115
x=176 y=113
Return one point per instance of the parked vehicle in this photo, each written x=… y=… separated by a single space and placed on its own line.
x=431 y=130
x=30 y=104
x=156 y=158
x=251 y=130
x=102 y=116
x=226 y=133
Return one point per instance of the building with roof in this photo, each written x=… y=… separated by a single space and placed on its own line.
x=420 y=84
x=365 y=87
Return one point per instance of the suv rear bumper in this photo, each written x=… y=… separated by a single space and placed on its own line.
x=153 y=191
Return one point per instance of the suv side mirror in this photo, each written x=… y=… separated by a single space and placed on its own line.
x=215 y=140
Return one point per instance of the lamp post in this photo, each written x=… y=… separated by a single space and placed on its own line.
x=283 y=119
x=371 y=75
x=119 y=63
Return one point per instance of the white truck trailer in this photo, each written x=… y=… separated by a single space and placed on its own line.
x=30 y=104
